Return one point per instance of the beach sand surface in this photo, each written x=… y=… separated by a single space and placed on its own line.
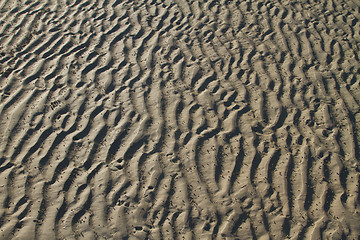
x=174 y=119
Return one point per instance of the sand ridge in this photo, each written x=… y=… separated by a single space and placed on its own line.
x=179 y=119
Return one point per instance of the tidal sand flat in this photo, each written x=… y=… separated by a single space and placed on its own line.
x=179 y=119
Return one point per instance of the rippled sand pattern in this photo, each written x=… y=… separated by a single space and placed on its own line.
x=179 y=119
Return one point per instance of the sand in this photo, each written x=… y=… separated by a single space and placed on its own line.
x=179 y=119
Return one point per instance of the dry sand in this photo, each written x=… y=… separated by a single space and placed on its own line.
x=179 y=119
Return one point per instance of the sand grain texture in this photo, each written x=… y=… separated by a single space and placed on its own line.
x=179 y=119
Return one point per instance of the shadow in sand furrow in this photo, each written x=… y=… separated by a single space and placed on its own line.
x=115 y=145
x=89 y=159
x=43 y=136
x=116 y=198
x=82 y=210
x=57 y=140
x=163 y=223
x=254 y=166
x=272 y=165
x=309 y=199
x=205 y=160
x=235 y=174
x=15 y=127
x=54 y=48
